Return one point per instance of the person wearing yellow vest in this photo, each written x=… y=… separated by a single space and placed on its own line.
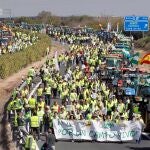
x=126 y=115
x=54 y=89
x=32 y=102
x=55 y=107
x=31 y=72
x=24 y=92
x=29 y=82
x=48 y=95
x=30 y=143
x=73 y=95
x=18 y=103
x=41 y=103
x=10 y=108
x=15 y=123
x=40 y=114
x=136 y=109
x=63 y=113
x=121 y=106
x=35 y=124
x=39 y=93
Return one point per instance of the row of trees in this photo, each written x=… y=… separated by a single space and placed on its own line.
x=47 y=17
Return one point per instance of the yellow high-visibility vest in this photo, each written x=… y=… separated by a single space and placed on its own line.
x=48 y=90
x=34 y=121
x=40 y=91
x=55 y=107
x=30 y=143
x=32 y=102
x=40 y=114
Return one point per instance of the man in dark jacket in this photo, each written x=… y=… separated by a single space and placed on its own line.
x=50 y=140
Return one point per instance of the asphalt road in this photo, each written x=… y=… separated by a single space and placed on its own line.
x=144 y=145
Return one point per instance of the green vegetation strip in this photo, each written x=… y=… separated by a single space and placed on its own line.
x=143 y=43
x=11 y=63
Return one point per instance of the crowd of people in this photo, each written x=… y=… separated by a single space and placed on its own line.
x=11 y=42
x=72 y=88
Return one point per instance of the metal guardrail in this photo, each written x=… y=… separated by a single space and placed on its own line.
x=22 y=85
x=34 y=89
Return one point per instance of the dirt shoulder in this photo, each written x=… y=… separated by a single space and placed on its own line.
x=7 y=85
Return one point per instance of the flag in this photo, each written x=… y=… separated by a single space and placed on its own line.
x=108 y=27
x=56 y=62
x=135 y=58
x=117 y=27
x=145 y=59
x=100 y=25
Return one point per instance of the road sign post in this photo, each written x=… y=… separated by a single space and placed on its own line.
x=143 y=34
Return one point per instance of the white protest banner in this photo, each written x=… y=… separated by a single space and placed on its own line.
x=95 y=130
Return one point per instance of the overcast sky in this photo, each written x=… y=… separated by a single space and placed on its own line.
x=77 y=7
